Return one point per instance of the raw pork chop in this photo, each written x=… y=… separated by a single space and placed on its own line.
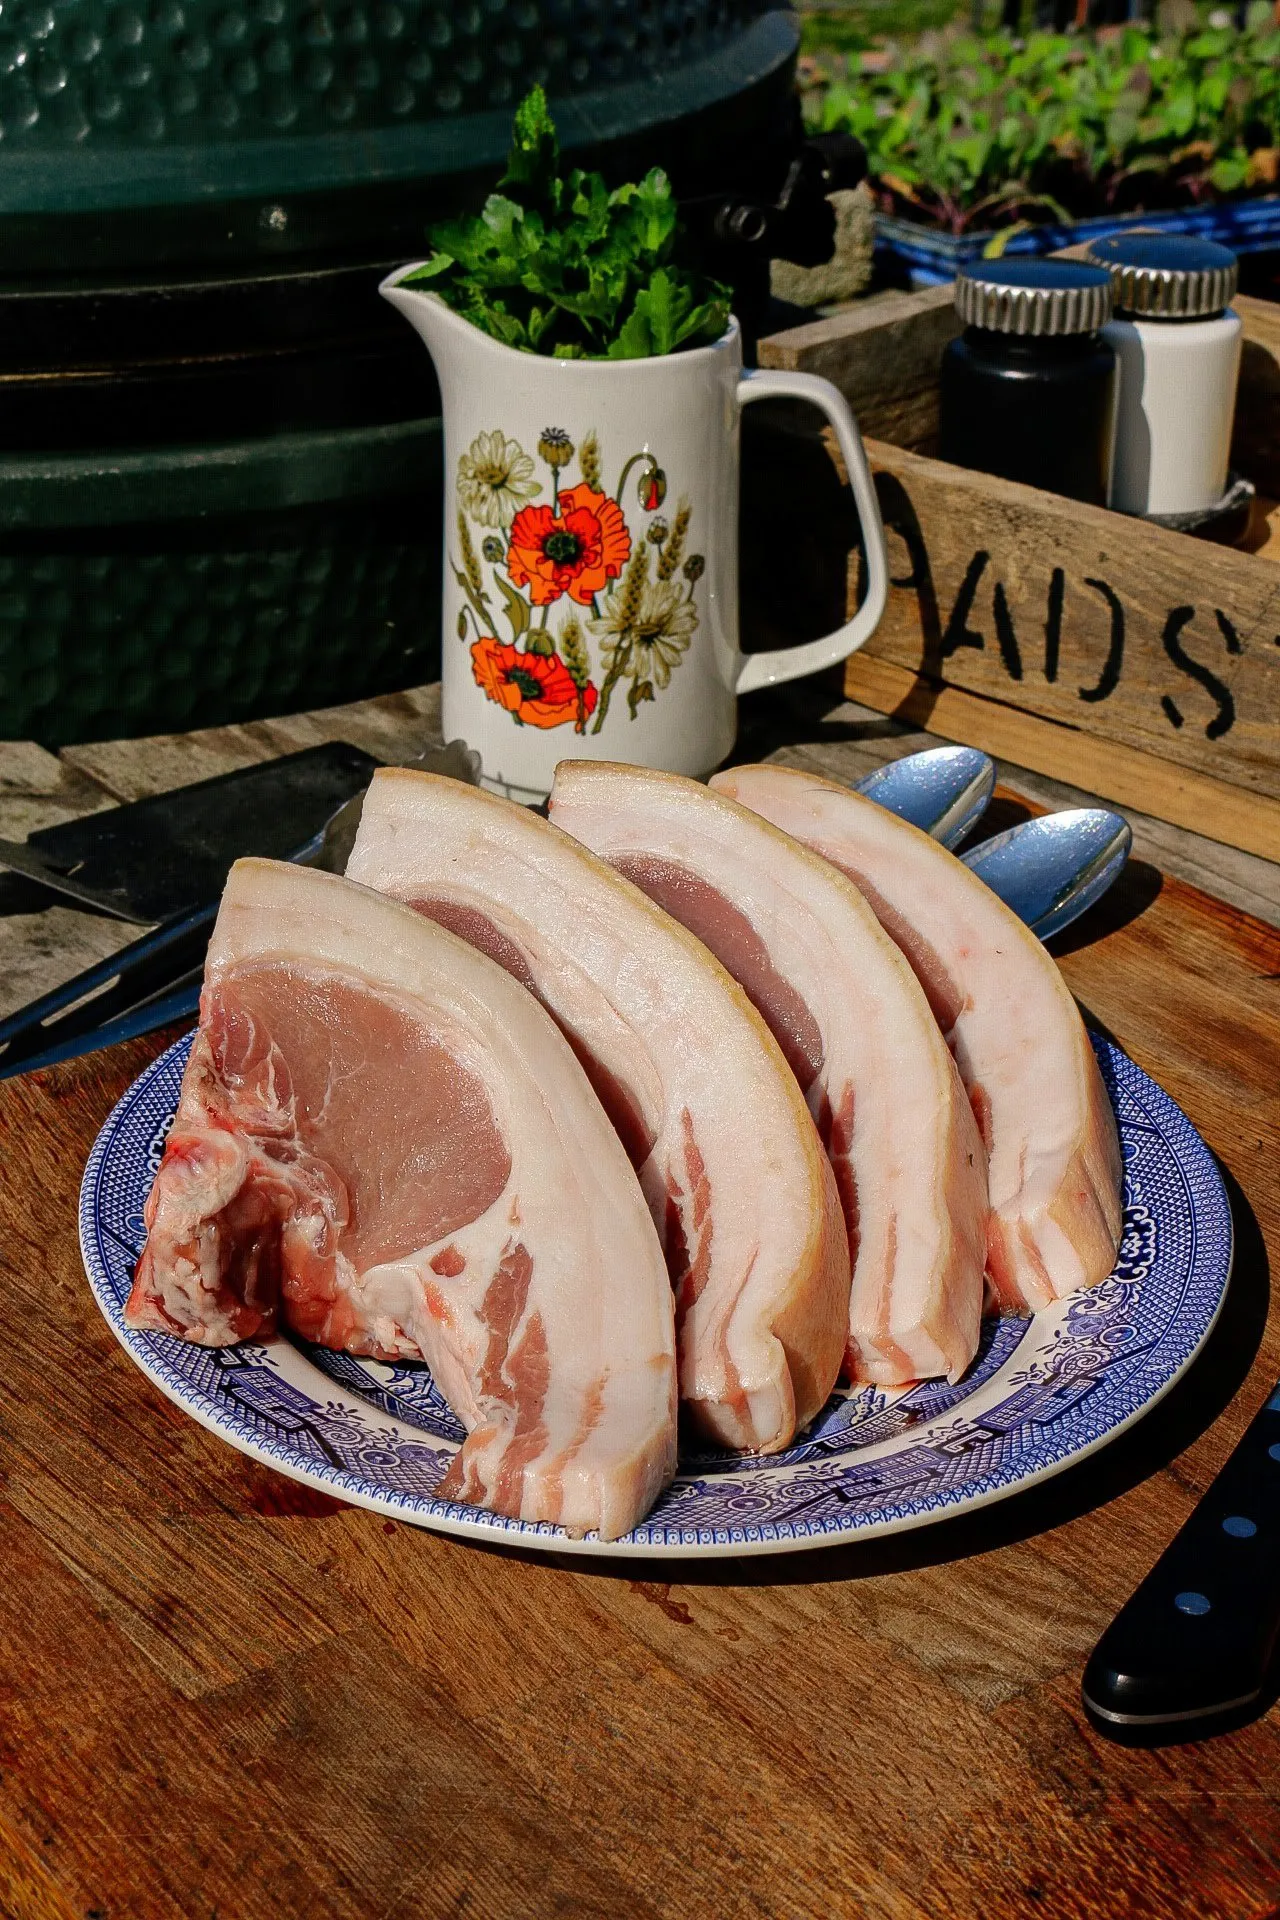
x=727 y=1155
x=383 y=1142
x=857 y=1031
x=1055 y=1167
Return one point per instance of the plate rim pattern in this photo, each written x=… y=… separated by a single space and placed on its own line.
x=1206 y=1223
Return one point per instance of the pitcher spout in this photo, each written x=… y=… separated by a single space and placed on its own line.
x=449 y=338
x=425 y=311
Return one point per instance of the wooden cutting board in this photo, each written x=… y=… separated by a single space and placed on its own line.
x=222 y=1694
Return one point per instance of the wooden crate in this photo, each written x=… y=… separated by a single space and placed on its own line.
x=1139 y=663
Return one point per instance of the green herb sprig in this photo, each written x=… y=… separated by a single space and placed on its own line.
x=563 y=267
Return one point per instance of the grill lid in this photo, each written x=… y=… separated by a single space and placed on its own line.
x=258 y=131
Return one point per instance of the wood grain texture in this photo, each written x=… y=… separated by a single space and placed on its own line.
x=37 y=790
x=1113 y=771
x=1255 y=442
x=1135 y=634
x=391 y=728
x=1027 y=666
x=803 y=725
x=1264 y=529
x=225 y=1695
x=883 y=353
x=1152 y=643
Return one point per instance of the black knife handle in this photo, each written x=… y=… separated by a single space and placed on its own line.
x=1197 y=1638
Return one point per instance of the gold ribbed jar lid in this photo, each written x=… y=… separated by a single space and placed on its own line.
x=1167 y=276
x=1037 y=297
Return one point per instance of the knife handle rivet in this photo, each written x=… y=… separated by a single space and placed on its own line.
x=1274 y=1450
x=1196 y=1603
x=1239 y=1527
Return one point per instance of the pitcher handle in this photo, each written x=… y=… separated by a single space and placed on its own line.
x=789 y=663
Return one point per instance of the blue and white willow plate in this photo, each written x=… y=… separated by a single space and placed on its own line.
x=1042 y=1393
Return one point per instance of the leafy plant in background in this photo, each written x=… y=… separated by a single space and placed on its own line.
x=967 y=132
x=564 y=267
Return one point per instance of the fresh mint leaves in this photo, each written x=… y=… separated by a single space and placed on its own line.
x=563 y=267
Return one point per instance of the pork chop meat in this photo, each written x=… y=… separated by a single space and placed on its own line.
x=385 y=1145
x=856 y=1028
x=728 y=1158
x=1055 y=1170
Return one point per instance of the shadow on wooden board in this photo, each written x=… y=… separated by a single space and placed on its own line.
x=1137 y=889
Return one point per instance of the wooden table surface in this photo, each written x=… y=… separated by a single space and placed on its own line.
x=225 y=1695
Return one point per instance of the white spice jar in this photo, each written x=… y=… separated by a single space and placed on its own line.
x=1177 y=347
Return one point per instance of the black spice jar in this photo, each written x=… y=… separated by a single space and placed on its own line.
x=1028 y=387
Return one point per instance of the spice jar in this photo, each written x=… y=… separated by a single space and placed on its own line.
x=1027 y=388
x=1177 y=343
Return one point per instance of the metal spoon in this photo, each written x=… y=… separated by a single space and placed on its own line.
x=1051 y=869
x=943 y=791
x=1048 y=870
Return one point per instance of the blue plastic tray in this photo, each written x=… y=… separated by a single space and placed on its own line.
x=932 y=258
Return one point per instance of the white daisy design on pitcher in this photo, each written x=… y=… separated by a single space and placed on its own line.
x=495 y=479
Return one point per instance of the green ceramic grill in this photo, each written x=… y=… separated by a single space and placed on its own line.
x=219 y=452
x=140 y=131
x=175 y=588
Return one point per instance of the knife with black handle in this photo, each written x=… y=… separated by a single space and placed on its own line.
x=1195 y=1643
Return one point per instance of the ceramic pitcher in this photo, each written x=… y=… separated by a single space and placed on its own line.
x=591 y=551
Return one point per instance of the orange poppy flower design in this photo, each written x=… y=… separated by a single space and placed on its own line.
x=535 y=688
x=577 y=550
